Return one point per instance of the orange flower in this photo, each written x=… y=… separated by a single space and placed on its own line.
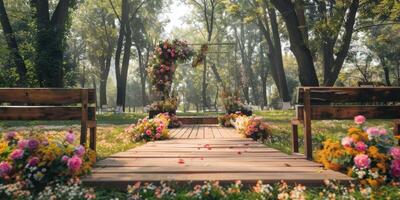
x=372 y=182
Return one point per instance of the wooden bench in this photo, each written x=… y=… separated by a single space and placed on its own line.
x=52 y=104
x=328 y=103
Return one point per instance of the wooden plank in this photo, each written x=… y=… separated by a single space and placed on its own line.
x=328 y=95
x=187 y=132
x=207 y=133
x=303 y=177
x=173 y=162
x=193 y=133
x=182 y=169
x=182 y=132
x=189 y=120
x=176 y=132
x=44 y=96
x=348 y=112
x=43 y=113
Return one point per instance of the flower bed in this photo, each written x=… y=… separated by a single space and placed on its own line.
x=150 y=129
x=35 y=161
x=279 y=190
x=368 y=154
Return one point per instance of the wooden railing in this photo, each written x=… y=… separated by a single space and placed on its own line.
x=52 y=104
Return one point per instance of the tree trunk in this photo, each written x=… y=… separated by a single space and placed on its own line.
x=50 y=38
x=284 y=90
x=103 y=92
x=333 y=66
x=204 y=85
x=298 y=45
x=122 y=71
x=142 y=74
x=12 y=45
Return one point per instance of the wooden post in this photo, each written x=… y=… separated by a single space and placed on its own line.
x=93 y=133
x=295 y=136
x=307 y=124
x=84 y=119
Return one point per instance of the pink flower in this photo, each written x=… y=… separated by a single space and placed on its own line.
x=158 y=135
x=395 y=152
x=361 y=146
x=159 y=129
x=362 y=161
x=64 y=159
x=33 y=161
x=347 y=141
x=148 y=132
x=10 y=135
x=395 y=168
x=74 y=163
x=33 y=144
x=359 y=119
x=5 y=168
x=383 y=131
x=45 y=142
x=17 y=154
x=22 y=144
x=70 y=137
x=373 y=132
x=80 y=151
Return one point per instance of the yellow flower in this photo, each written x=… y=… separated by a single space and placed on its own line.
x=3 y=147
x=372 y=182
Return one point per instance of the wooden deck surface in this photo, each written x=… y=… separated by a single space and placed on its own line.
x=206 y=152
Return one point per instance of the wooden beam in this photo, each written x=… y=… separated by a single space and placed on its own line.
x=325 y=112
x=44 y=96
x=329 y=95
x=42 y=113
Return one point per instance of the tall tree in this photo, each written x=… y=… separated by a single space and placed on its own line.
x=51 y=27
x=12 y=45
x=96 y=22
x=269 y=28
x=293 y=13
x=331 y=15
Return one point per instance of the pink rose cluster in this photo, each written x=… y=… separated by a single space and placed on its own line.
x=359 y=119
x=347 y=141
x=376 y=132
x=362 y=161
x=395 y=166
x=5 y=169
x=74 y=163
x=10 y=136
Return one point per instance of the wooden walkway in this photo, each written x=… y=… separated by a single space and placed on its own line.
x=206 y=152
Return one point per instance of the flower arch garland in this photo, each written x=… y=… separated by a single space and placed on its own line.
x=163 y=65
x=161 y=70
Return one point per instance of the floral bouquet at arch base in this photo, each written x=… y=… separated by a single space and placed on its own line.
x=369 y=154
x=150 y=129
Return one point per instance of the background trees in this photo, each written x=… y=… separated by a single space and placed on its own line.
x=267 y=47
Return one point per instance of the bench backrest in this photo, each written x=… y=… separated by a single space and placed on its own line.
x=345 y=103
x=47 y=104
